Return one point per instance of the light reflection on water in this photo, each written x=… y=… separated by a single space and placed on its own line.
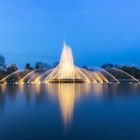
x=67 y=94
x=56 y=103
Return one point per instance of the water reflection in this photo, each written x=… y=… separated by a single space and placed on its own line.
x=3 y=88
x=66 y=95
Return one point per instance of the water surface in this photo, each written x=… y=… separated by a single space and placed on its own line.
x=70 y=111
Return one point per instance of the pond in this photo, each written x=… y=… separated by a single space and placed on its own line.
x=70 y=111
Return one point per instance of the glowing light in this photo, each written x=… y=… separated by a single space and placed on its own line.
x=67 y=94
x=21 y=83
x=66 y=71
x=22 y=80
x=5 y=83
x=38 y=82
x=108 y=73
x=66 y=100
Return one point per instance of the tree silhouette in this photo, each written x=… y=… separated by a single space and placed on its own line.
x=12 y=68
x=2 y=62
x=28 y=67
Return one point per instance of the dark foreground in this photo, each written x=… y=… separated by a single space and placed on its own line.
x=70 y=111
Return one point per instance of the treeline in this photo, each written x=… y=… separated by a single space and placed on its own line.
x=132 y=70
x=4 y=70
x=39 y=66
x=28 y=66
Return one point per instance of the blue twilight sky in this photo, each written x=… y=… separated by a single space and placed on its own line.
x=98 y=31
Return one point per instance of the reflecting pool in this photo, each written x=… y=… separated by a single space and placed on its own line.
x=70 y=111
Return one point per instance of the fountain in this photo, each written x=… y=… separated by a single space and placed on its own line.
x=67 y=72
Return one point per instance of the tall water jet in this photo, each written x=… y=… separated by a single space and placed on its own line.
x=66 y=71
x=66 y=66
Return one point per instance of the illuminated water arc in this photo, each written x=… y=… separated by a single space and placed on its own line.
x=39 y=77
x=22 y=80
x=2 y=80
x=91 y=77
x=97 y=77
x=110 y=75
x=81 y=75
x=50 y=75
x=33 y=75
x=87 y=80
x=127 y=74
x=103 y=77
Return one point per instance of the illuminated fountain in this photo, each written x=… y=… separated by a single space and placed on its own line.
x=67 y=72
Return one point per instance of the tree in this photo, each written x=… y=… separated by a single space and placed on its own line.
x=38 y=65
x=12 y=68
x=107 y=65
x=132 y=71
x=2 y=63
x=42 y=66
x=28 y=67
x=85 y=67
